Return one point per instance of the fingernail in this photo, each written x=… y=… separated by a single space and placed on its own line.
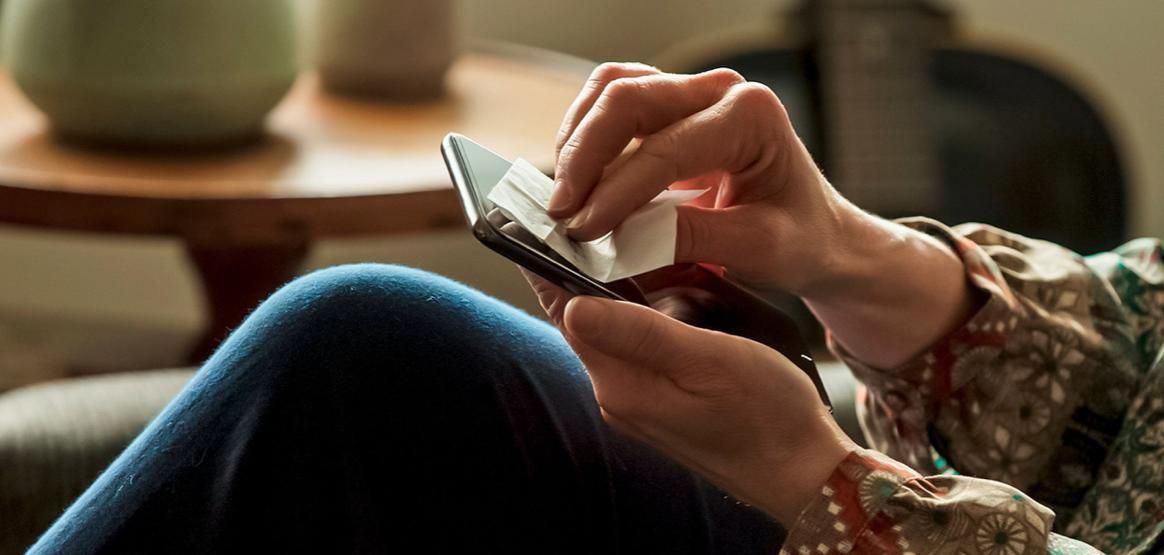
x=585 y=315
x=579 y=219
x=560 y=198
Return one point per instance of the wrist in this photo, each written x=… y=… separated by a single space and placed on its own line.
x=855 y=245
x=793 y=484
x=893 y=292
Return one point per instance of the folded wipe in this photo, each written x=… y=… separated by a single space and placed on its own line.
x=645 y=241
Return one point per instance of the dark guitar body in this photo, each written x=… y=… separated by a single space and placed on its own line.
x=1016 y=146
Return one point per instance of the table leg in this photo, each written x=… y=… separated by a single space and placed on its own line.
x=235 y=280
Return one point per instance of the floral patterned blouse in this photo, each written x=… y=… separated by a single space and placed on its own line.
x=1037 y=427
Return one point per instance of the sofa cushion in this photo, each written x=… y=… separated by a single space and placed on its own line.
x=55 y=437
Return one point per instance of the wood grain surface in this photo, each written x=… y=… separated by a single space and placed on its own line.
x=329 y=165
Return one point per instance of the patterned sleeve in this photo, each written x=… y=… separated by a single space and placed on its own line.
x=874 y=505
x=1030 y=392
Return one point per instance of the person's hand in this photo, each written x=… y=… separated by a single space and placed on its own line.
x=733 y=410
x=771 y=218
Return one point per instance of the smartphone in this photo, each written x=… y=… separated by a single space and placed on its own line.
x=475 y=170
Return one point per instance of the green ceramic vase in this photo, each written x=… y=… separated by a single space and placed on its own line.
x=152 y=72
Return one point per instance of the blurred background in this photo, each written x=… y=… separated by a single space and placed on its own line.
x=118 y=302
x=129 y=244
x=130 y=303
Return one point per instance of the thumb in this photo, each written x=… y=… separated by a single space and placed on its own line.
x=631 y=333
x=711 y=235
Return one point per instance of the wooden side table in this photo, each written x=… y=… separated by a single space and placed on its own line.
x=330 y=167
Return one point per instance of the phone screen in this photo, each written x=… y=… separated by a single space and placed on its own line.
x=476 y=170
x=483 y=170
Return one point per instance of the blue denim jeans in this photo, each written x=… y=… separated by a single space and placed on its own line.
x=374 y=408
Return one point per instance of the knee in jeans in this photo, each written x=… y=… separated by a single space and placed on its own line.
x=393 y=330
x=368 y=295
x=392 y=310
x=390 y=317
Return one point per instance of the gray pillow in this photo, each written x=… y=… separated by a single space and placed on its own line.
x=56 y=437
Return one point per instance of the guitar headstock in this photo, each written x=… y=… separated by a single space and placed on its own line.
x=872 y=57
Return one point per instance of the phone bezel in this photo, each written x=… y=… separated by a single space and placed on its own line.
x=461 y=173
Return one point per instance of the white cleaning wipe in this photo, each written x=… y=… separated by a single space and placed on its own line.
x=645 y=241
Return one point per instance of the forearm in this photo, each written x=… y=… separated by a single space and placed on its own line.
x=891 y=291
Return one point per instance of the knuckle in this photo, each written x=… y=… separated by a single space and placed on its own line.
x=663 y=149
x=564 y=131
x=622 y=91
x=605 y=72
x=551 y=301
x=725 y=76
x=555 y=309
x=568 y=153
x=609 y=71
x=754 y=96
x=663 y=145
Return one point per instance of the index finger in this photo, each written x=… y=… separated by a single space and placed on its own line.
x=627 y=109
x=602 y=76
x=717 y=139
